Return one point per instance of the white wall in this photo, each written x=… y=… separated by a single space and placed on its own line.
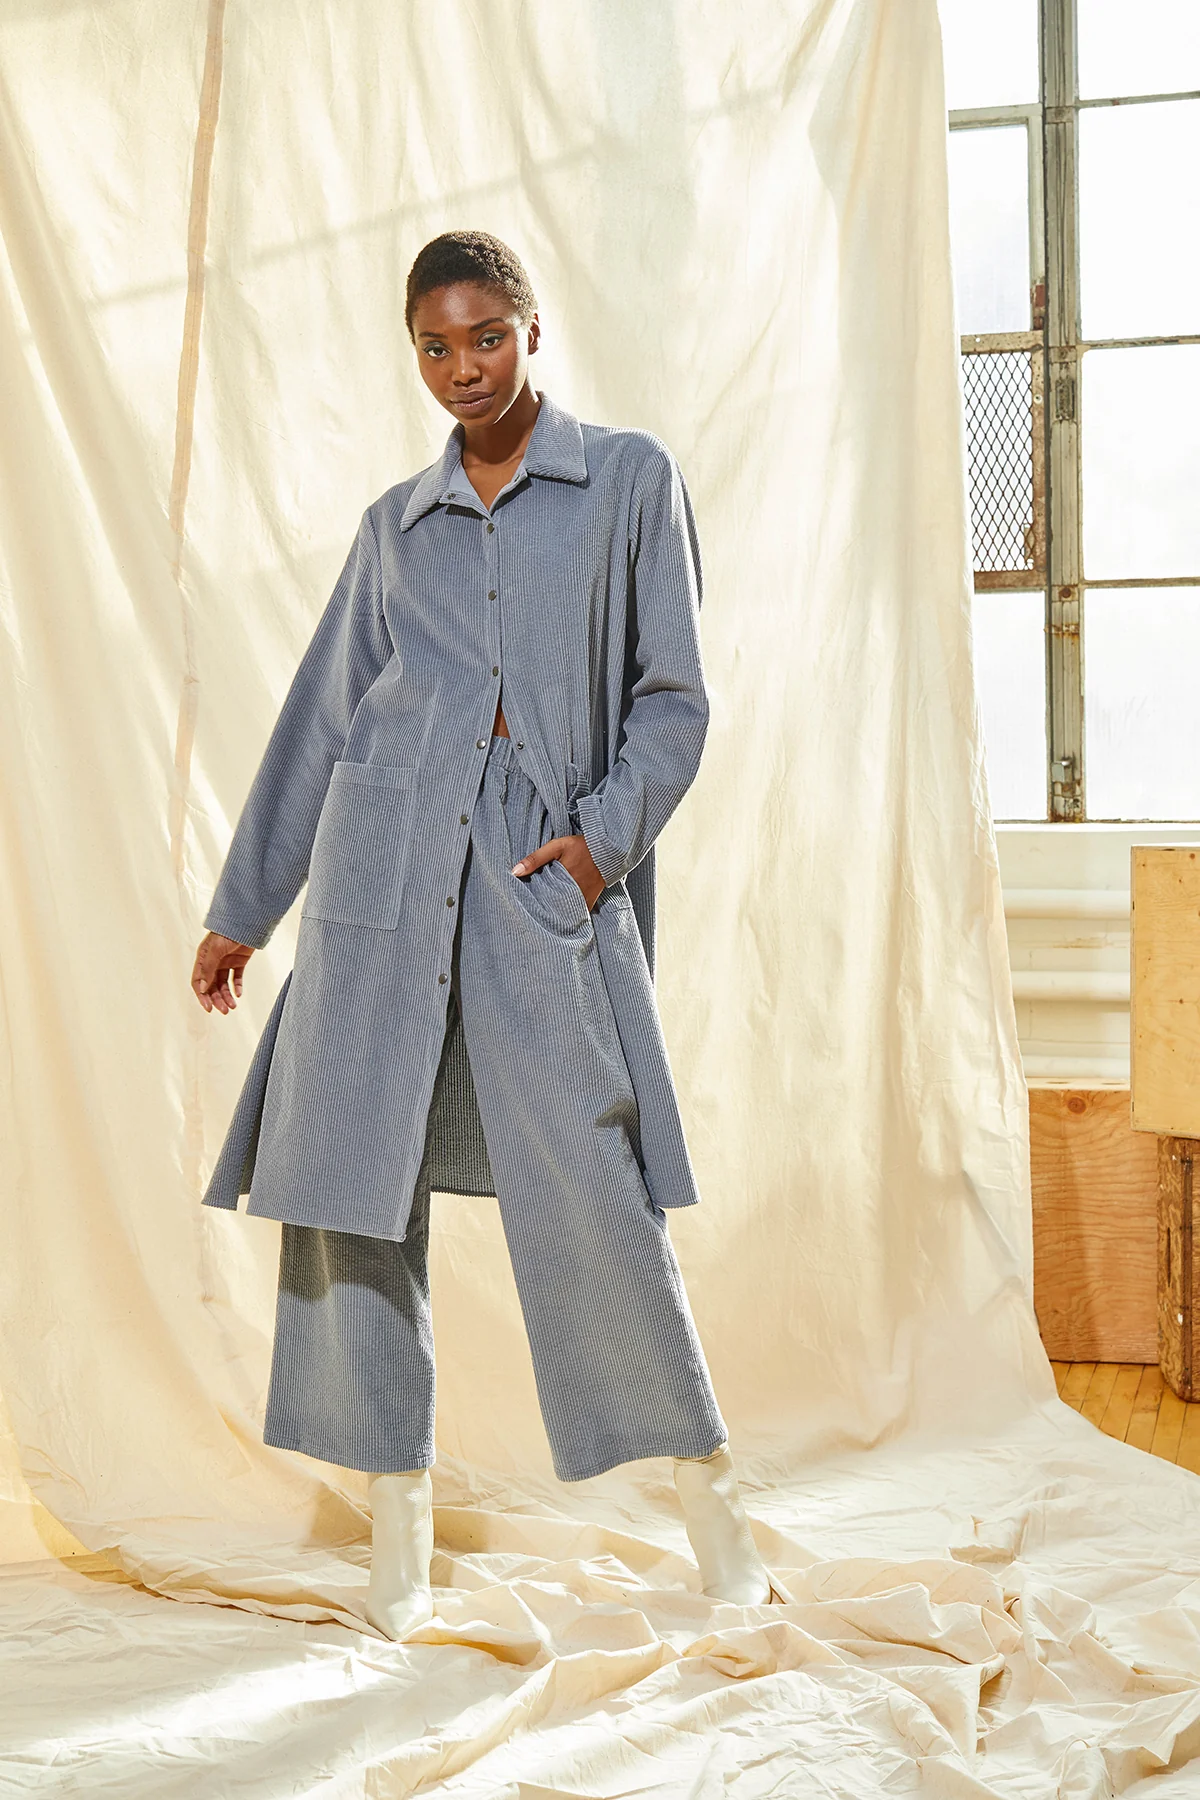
x=1066 y=902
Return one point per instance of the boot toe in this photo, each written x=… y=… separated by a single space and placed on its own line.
x=394 y=1618
x=741 y=1590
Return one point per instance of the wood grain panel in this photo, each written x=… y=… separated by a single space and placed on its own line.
x=1095 y=1227
x=1164 y=1012
x=1178 y=1266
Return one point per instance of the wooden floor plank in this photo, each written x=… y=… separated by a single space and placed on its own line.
x=1144 y=1416
x=1075 y=1387
x=1119 y=1411
x=1133 y=1402
x=1188 y=1456
x=1168 y=1430
x=1099 y=1391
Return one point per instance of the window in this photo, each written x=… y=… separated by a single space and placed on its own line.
x=1075 y=230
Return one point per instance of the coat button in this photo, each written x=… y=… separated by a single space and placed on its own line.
x=479 y=744
x=491 y=594
x=463 y=819
x=495 y=668
x=491 y=528
x=520 y=745
x=441 y=978
x=449 y=899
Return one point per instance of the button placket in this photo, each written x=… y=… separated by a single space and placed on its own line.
x=480 y=743
x=494 y=594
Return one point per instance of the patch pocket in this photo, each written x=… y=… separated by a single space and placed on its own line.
x=360 y=852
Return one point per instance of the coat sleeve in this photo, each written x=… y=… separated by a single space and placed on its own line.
x=667 y=718
x=269 y=855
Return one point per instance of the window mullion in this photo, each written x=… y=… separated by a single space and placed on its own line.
x=1064 y=607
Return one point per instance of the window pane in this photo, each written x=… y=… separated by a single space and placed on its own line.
x=989 y=227
x=1010 y=679
x=1141 y=462
x=1143 y=725
x=1139 y=220
x=1002 y=398
x=990 y=52
x=1154 y=49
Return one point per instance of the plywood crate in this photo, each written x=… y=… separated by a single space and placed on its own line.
x=1095 y=1212
x=1164 y=1008
x=1165 y=1081
x=1178 y=1311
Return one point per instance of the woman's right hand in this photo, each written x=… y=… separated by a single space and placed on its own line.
x=217 y=973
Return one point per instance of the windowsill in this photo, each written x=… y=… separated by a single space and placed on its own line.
x=1187 y=828
x=1066 y=905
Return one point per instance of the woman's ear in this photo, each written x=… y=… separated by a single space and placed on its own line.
x=535 y=332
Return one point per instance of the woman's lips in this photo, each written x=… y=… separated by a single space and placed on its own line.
x=474 y=403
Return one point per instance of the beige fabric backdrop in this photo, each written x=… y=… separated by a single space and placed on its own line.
x=736 y=222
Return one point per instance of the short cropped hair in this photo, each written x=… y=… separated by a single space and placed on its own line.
x=469 y=256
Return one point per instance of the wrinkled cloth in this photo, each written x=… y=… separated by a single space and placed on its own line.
x=1042 y=1648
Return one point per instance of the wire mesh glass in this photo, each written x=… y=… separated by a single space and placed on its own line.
x=1002 y=396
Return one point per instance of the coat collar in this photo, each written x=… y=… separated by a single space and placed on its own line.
x=555 y=449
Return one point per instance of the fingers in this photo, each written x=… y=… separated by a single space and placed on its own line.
x=201 y=976
x=548 y=852
x=211 y=987
x=217 y=973
x=576 y=859
x=221 y=993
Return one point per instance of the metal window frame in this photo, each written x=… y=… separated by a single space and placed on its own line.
x=1028 y=118
x=1059 y=60
x=1053 y=126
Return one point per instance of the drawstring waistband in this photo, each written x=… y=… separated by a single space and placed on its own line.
x=501 y=750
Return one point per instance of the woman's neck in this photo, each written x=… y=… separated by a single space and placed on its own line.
x=494 y=447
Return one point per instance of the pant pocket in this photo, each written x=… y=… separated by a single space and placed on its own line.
x=550 y=896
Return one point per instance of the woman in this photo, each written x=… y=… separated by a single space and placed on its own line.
x=502 y=705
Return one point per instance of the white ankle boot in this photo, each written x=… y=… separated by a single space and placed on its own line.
x=719 y=1531
x=398 y=1594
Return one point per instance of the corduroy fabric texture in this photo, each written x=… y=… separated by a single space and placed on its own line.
x=619 y=1367
x=577 y=596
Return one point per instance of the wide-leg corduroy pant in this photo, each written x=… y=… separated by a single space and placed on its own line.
x=619 y=1368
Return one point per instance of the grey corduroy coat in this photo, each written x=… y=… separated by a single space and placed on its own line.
x=578 y=597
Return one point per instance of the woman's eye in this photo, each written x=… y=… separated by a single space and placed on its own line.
x=493 y=337
x=435 y=349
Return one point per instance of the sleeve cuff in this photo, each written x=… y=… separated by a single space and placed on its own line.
x=611 y=866
x=255 y=936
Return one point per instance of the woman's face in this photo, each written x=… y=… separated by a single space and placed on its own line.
x=472 y=350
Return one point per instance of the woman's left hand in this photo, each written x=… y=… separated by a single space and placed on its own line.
x=576 y=859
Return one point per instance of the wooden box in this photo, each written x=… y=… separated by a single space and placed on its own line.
x=1095 y=1210
x=1164 y=1006
x=1178 y=1313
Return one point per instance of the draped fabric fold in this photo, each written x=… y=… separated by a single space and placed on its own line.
x=735 y=219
